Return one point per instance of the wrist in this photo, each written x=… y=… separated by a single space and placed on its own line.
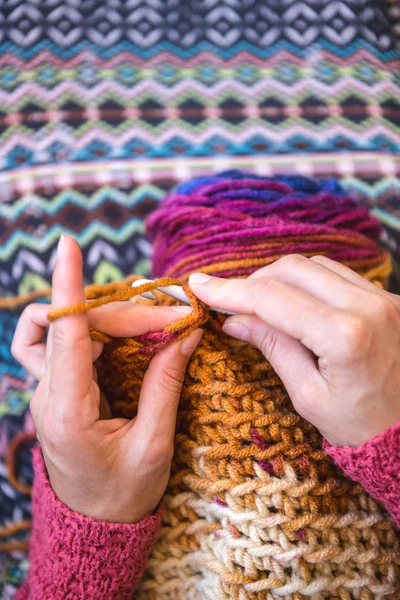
x=358 y=435
x=127 y=512
x=101 y=506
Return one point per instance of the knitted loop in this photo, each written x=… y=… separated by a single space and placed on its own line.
x=147 y=345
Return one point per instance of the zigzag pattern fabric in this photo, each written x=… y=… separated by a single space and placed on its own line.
x=106 y=105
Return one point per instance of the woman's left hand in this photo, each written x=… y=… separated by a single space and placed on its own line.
x=109 y=469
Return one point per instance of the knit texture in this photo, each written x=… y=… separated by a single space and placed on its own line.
x=75 y=557
x=255 y=509
x=34 y=587
x=375 y=464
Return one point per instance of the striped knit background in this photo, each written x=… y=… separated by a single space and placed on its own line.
x=106 y=104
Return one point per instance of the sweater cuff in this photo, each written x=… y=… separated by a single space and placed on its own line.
x=74 y=556
x=375 y=465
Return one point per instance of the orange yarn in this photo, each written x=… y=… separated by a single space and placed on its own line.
x=19 y=439
x=25 y=525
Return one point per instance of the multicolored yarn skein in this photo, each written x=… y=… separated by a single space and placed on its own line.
x=254 y=509
x=233 y=223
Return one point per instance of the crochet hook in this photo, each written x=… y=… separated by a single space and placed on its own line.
x=175 y=291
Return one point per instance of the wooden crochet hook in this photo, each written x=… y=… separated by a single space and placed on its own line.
x=175 y=291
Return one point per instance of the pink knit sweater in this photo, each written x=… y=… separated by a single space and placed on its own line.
x=75 y=557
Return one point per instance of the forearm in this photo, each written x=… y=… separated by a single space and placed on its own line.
x=73 y=556
x=376 y=466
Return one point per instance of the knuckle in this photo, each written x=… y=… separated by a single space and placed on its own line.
x=386 y=310
x=259 y=273
x=291 y=262
x=64 y=339
x=27 y=313
x=15 y=350
x=58 y=337
x=269 y=343
x=302 y=402
x=394 y=299
x=55 y=439
x=159 y=453
x=260 y=288
x=56 y=434
x=30 y=311
x=355 y=334
x=170 y=379
x=320 y=258
x=51 y=436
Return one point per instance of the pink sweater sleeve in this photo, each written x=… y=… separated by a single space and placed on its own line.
x=376 y=465
x=77 y=557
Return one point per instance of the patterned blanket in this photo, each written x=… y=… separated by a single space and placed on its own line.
x=107 y=104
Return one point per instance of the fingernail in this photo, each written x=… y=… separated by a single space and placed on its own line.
x=236 y=329
x=198 y=278
x=61 y=246
x=189 y=344
x=182 y=309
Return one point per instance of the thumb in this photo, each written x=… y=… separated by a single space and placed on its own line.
x=161 y=391
x=294 y=363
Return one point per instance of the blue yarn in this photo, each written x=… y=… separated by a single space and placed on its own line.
x=298 y=183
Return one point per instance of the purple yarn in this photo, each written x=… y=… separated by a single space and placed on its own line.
x=246 y=220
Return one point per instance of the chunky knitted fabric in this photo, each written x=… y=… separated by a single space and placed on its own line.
x=255 y=510
x=87 y=556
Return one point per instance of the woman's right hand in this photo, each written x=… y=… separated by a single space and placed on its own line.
x=331 y=336
x=109 y=469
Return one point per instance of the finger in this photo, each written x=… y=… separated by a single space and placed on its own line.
x=71 y=356
x=356 y=279
x=275 y=303
x=313 y=277
x=97 y=347
x=28 y=346
x=289 y=358
x=161 y=390
x=347 y=273
x=124 y=319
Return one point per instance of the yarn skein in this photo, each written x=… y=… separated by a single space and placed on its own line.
x=233 y=223
x=254 y=510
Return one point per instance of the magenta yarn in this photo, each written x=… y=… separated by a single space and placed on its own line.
x=233 y=223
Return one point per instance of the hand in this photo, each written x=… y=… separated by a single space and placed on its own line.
x=331 y=336
x=109 y=469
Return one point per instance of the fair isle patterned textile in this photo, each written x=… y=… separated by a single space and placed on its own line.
x=107 y=104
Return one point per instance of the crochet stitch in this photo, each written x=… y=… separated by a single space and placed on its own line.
x=255 y=509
